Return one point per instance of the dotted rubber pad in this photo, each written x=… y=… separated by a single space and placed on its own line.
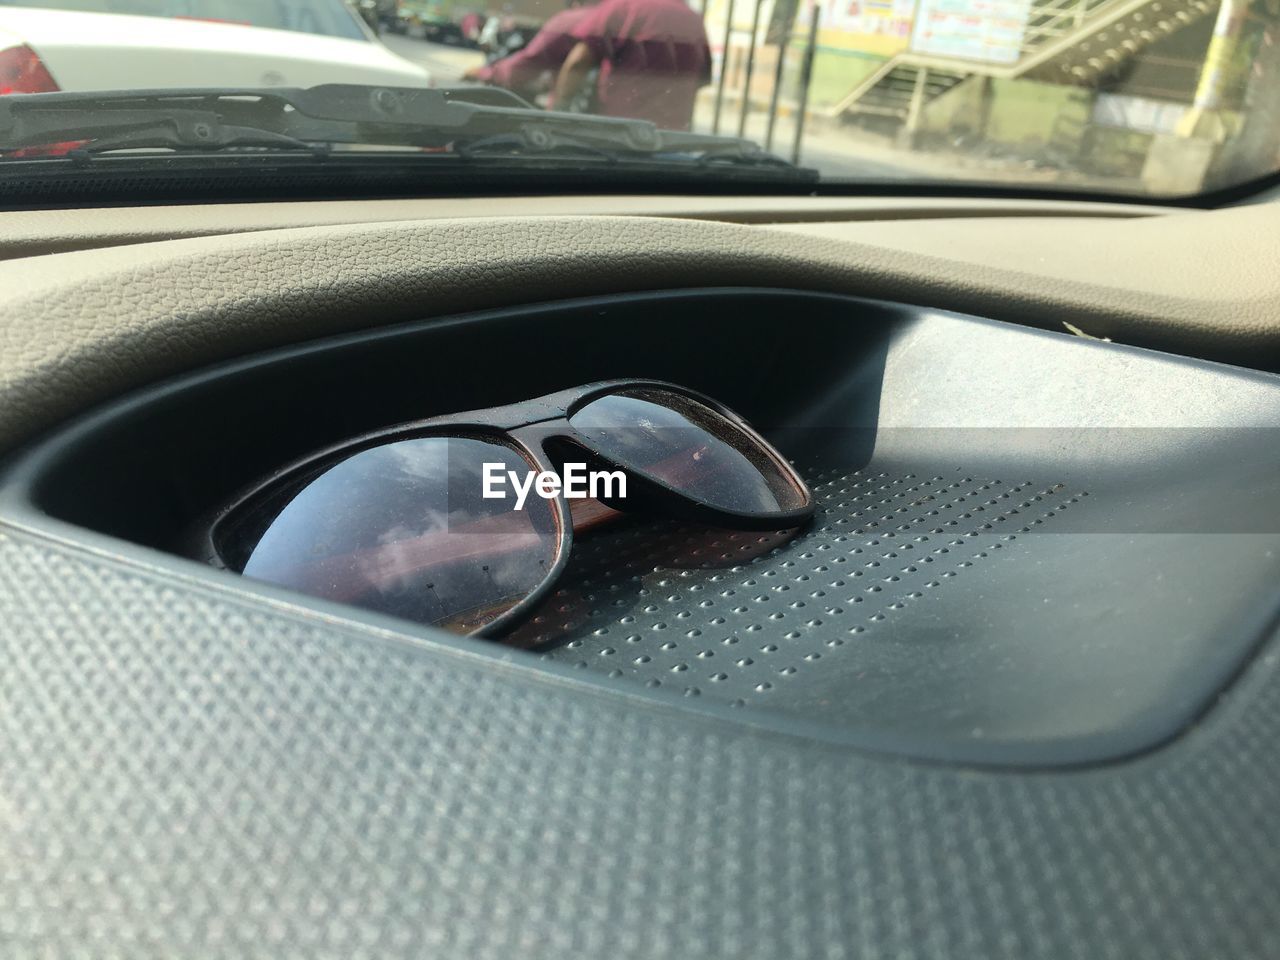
x=752 y=619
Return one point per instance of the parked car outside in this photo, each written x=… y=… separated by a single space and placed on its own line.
x=48 y=45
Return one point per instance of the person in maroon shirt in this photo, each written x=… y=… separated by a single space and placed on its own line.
x=546 y=52
x=652 y=54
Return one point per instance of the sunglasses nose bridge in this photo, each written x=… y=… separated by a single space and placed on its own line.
x=536 y=437
x=553 y=445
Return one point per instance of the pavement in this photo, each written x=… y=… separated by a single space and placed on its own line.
x=835 y=153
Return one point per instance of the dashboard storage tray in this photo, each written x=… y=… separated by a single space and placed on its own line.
x=1030 y=548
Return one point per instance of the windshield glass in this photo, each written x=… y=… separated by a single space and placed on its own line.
x=1141 y=97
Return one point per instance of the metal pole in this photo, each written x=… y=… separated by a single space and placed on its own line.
x=916 y=106
x=751 y=62
x=724 y=67
x=1218 y=58
x=806 y=75
x=783 y=43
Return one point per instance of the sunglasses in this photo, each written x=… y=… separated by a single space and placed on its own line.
x=466 y=521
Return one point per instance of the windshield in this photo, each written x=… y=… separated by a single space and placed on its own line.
x=1149 y=98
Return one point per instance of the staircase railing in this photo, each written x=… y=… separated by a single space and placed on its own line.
x=1051 y=24
x=1052 y=19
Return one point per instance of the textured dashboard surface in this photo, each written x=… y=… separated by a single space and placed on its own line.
x=28 y=233
x=81 y=327
x=187 y=773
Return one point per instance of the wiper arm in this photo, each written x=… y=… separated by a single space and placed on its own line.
x=310 y=119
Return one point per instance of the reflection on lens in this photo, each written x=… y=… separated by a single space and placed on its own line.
x=691 y=448
x=404 y=529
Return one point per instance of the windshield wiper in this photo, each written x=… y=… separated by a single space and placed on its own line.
x=468 y=121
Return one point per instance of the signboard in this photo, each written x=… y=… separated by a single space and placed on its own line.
x=878 y=18
x=986 y=30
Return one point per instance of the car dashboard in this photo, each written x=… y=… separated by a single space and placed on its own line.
x=1008 y=694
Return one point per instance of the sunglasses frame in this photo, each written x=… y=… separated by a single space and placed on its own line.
x=527 y=427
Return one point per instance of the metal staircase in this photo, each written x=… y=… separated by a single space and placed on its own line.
x=891 y=95
x=1066 y=42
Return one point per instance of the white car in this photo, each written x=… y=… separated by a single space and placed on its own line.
x=147 y=44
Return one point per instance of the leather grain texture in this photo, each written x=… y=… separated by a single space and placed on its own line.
x=81 y=327
x=29 y=233
x=188 y=773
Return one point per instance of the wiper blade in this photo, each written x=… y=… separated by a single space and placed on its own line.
x=314 y=118
x=674 y=150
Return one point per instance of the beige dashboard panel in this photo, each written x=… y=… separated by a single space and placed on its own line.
x=88 y=325
x=27 y=233
x=1215 y=257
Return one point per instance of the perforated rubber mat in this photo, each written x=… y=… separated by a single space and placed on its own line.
x=760 y=620
x=185 y=773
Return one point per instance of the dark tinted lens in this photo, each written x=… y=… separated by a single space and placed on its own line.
x=403 y=529
x=691 y=448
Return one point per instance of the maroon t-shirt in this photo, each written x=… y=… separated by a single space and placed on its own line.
x=653 y=58
x=546 y=51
